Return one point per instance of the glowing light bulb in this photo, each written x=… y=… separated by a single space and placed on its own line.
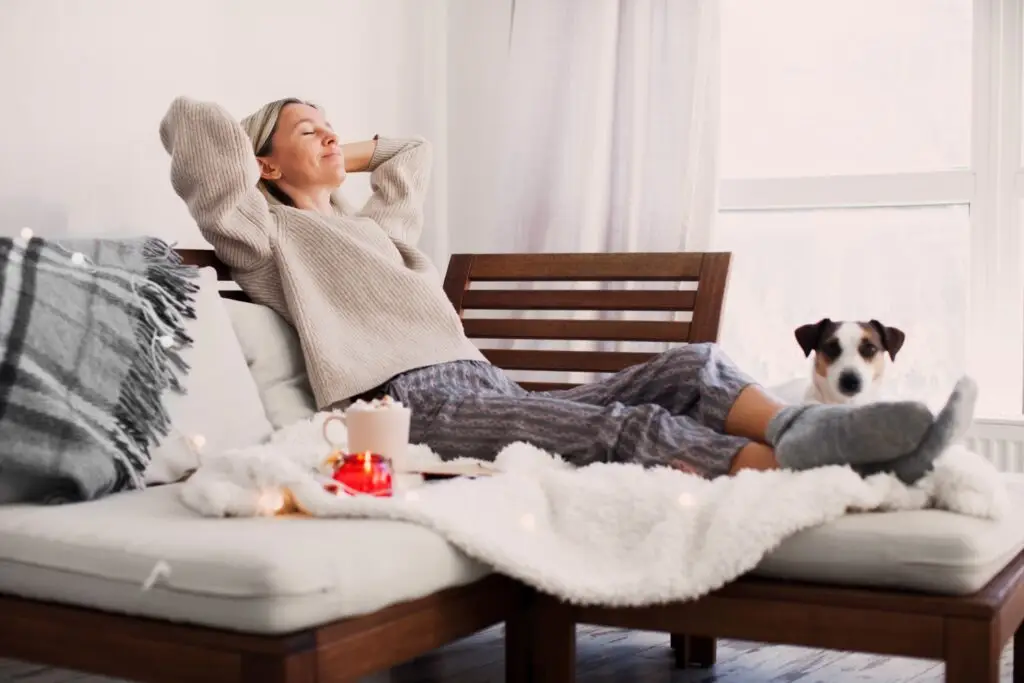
x=197 y=441
x=270 y=502
x=26 y=233
x=167 y=341
x=78 y=258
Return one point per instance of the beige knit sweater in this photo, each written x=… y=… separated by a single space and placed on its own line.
x=366 y=303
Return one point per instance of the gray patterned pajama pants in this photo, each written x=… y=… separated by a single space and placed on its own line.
x=668 y=411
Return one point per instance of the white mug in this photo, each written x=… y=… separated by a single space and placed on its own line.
x=377 y=430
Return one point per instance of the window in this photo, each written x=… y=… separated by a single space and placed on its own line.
x=883 y=263
x=844 y=87
x=870 y=154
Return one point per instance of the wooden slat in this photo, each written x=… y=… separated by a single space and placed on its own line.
x=565 y=361
x=591 y=330
x=579 y=300
x=648 y=266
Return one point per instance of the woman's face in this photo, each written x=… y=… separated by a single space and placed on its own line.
x=304 y=150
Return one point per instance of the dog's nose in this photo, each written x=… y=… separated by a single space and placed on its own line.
x=849 y=383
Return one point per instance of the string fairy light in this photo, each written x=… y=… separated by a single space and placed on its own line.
x=161 y=570
x=269 y=502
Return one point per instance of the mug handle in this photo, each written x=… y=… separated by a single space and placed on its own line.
x=336 y=455
x=337 y=417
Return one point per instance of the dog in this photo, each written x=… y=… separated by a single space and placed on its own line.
x=849 y=361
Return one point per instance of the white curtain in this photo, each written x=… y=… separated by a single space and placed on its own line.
x=609 y=135
x=610 y=125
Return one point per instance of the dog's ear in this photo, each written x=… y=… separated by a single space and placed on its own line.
x=808 y=336
x=892 y=338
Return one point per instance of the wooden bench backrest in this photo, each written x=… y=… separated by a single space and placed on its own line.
x=205 y=258
x=708 y=270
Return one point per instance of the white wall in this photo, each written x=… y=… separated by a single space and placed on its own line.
x=478 y=32
x=86 y=82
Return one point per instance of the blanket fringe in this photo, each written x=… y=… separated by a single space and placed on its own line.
x=165 y=298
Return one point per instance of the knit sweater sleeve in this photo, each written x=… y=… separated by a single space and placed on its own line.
x=214 y=170
x=399 y=176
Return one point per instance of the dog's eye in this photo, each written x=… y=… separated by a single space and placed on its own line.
x=832 y=349
x=868 y=350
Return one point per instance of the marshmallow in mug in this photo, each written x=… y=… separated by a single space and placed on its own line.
x=382 y=403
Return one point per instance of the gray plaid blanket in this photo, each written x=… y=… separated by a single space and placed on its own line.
x=89 y=339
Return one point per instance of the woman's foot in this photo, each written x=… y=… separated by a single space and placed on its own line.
x=950 y=426
x=811 y=435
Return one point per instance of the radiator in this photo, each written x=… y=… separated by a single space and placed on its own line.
x=1001 y=441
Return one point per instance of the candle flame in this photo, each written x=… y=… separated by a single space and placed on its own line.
x=367 y=462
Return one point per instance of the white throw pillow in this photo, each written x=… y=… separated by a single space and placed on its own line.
x=221 y=408
x=272 y=349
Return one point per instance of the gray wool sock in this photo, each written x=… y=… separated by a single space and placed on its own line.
x=811 y=435
x=950 y=426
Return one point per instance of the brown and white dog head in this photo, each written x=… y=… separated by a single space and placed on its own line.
x=849 y=358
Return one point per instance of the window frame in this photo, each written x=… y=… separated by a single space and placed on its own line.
x=993 y=189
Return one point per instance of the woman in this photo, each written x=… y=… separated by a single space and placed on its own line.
x=373 y=319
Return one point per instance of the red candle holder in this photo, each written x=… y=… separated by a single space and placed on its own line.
x=364 y=474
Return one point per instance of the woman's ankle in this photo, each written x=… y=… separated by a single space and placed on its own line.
x=754 y=456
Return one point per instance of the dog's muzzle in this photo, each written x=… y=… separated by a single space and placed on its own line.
x=849 y=383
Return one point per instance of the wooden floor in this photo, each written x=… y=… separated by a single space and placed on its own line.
x=612 y=655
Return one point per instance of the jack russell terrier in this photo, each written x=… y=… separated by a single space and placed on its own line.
x=849 y=361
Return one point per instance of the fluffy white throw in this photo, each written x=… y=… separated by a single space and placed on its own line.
x=608 y=534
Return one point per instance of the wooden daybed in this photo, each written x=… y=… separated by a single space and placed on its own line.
x=63 y=634
x=967 y=631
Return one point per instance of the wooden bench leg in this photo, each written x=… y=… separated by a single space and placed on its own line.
x=518 y=655
x=299 y=667
x=552 y=642
x=972 y=651
x=694 y=651
x=1018 y=655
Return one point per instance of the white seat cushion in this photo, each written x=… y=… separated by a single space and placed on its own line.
x=265 y=575
x=256 y=575
x=926 y=550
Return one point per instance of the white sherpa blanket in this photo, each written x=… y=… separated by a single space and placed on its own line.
x=608 y=534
